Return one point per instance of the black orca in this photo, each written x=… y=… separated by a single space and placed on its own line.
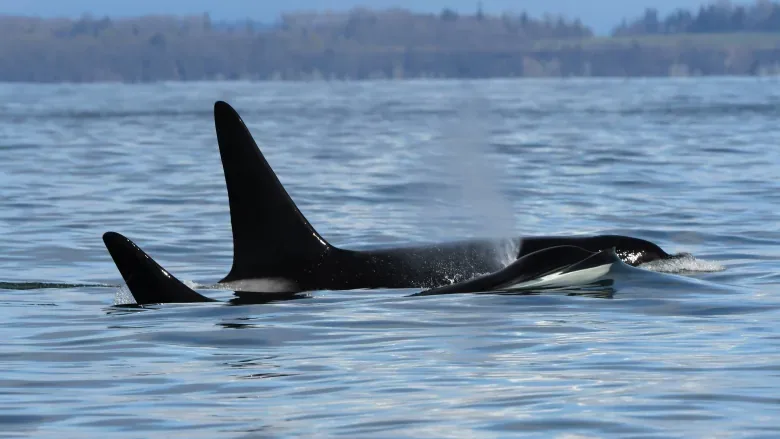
x=273 y=242
x=548 y=268
x=276 y=251
x=149 y=283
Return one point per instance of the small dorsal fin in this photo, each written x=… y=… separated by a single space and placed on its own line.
x=148 y=282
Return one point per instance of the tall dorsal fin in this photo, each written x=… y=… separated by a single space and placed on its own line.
x=271 y=238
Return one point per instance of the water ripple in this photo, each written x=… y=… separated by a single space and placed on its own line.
x=689 y=164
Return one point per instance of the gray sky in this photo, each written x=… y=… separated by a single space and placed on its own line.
x=602 y=15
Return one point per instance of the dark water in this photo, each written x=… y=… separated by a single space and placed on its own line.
x=690 y=164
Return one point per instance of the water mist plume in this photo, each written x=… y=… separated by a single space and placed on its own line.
x=463 y=163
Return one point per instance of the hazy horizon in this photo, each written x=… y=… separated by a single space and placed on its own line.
x=601 y=15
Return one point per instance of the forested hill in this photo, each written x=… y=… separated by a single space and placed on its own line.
x=719 y=17
x=364 y=44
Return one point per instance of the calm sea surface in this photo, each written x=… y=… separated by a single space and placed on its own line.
x=688 y=350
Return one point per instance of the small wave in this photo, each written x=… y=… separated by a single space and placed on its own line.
x=194 y=285
x=712 y=109
x=101 y=114
x=684 y=264
x=123 y=296
x=218 y=287
x=42 y=285
x=268 y=285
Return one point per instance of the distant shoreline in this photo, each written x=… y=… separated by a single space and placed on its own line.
x=388 y=80
x=363 y=45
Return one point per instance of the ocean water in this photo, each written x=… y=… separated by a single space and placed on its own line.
x=678 y=350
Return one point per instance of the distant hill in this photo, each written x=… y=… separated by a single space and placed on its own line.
x=396 y=43
x=719 y=17
x=600 y=15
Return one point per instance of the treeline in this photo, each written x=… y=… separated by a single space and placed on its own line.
x=720 y=17
x=359 y=44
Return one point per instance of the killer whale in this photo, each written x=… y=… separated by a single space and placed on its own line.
x=276 y=250
x=273 y=240
x=549 y=268
x=150 y=283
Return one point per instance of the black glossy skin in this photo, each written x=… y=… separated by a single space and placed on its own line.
x=149 y=283
x=272 y=238
x=430 y=266
x=632 y=251
x=563 y=259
